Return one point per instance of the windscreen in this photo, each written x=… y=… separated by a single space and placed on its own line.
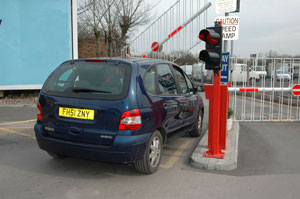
x=89 y=80
x=281 y=72
x=259 y=68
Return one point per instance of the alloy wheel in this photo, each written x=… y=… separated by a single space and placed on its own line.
x=155 y=151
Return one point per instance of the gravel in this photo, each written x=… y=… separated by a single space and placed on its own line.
x=20 y=97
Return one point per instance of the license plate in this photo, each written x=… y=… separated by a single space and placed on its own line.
x=85 y=114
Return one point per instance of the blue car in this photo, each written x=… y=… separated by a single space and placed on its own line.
x=116 y=110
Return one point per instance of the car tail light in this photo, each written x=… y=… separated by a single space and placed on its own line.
x=94 y=60
x=130 y=120
x=39 y=115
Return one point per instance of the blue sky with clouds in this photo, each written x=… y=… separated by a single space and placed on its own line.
x=264 y=25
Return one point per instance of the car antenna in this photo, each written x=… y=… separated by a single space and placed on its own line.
x=72 y=60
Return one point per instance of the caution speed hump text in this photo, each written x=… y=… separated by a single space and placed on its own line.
x=230 y=26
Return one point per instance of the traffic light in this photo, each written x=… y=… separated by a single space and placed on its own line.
x=212 y=55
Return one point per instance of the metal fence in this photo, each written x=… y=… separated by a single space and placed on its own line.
x=270 y=98
x=175 y=31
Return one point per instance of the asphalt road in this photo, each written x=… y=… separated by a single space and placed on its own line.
x=268 y=167
x=270 y=148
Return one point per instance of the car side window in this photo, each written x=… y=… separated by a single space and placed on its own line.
x=181 y=82
x=149 y=80
x=190 y=85
x=166 y=81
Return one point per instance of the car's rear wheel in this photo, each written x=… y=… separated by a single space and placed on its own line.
x=152 y=155
x=197 y=130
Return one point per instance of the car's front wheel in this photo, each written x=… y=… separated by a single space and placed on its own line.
x=152 y=155
x=197 y=130
x=252 y=81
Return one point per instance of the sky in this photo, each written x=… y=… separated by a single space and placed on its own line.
x=264 y=25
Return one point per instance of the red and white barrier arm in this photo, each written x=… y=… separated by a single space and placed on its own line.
x=182 y=26
x=231 y=89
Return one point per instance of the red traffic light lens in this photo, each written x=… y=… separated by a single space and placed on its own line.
x=211 y=41
x=211 y=37
x=203 y=34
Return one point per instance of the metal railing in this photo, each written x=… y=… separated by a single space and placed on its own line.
x=261 y=89
x=175 y=31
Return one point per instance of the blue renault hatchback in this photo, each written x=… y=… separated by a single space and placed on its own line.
x=116 y=110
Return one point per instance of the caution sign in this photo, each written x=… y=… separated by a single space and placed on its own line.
x=230 y=26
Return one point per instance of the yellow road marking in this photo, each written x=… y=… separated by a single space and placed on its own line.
x=17 y=133
x=283 y=120
x=18 y=122
x=21 y=127
x=176 y=155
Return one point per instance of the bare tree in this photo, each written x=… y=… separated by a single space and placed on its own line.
x=271 y=54
x=131 y=14
x=184 y=58
x=95 y=17
x=112 y=20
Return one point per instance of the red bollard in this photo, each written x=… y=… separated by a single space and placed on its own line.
x=213 y=93
x=217 y=95
x=224 y=108
x=223 y=116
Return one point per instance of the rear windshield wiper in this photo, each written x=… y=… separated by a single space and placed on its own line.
x=87 y=90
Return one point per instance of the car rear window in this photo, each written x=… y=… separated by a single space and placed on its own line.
x=89 y=80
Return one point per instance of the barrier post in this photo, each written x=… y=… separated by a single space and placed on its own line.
x=213 y=93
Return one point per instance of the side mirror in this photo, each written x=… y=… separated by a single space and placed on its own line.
x=199 y=89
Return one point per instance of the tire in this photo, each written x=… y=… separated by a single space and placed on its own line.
x=252 y=80
x=152 y=155
x=197 y=130
x=55 y=156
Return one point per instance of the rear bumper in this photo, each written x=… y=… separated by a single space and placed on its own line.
x=125 y=149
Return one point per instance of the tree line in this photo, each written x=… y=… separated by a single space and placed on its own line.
x=111 y=21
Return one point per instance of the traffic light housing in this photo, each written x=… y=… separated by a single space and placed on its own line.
x=212 y=55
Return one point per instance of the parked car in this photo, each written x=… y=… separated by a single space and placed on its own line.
x=260 y=70
x=283 y=75
x=239 y=74
x=116 y=110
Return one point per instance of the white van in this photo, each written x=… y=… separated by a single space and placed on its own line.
x=260 y=70
x=239 y=74
x=200 y=72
